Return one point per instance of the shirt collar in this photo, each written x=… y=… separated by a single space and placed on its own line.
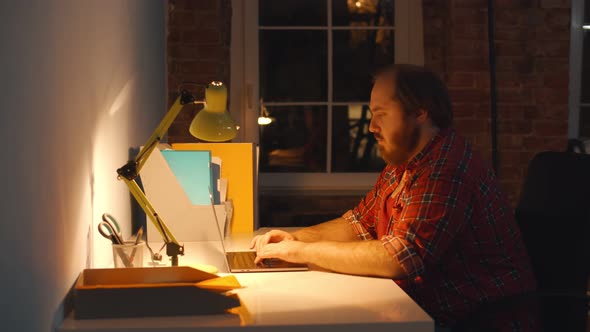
x=424 y=155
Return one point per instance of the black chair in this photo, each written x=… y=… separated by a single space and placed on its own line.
x=554 y=217
x=553 y=214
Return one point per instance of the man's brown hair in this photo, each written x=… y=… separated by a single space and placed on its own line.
x=419 y=88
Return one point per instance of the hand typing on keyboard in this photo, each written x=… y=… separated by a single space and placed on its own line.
x=271 y=262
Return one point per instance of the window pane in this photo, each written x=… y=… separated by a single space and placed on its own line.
x=292 y=12
x=585 y=88
x=585 y=121
x=293 y=65
x=295 y=141
x=363 y=12
x=353 y=146
x=357 y=53
x=586 y=12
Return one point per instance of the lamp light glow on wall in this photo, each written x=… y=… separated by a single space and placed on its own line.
x=213 y=123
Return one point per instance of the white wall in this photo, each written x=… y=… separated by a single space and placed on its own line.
x=81 y=81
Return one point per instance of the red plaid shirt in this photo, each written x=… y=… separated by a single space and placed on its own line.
x=449 y=227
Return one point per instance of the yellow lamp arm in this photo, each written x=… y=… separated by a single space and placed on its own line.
x=150 y=211
x=130 y=171
x=184 y=98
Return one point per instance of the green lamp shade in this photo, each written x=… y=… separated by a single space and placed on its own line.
x=213 y=123
x=213 y=127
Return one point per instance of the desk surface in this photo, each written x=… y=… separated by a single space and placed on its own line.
x=292 y=300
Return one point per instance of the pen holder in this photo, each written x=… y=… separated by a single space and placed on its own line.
x=128 y=254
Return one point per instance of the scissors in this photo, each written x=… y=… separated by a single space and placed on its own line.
x=109 y=229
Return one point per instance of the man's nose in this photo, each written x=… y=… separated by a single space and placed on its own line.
x=372 y=126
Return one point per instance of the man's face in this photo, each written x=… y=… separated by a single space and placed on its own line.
x=397 y=134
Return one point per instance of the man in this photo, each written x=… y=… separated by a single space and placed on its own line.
x=435 y=222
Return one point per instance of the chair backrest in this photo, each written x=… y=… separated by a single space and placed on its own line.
x=554 y=216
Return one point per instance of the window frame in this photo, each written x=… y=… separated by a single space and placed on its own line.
x=244 y=91
x=576 y=57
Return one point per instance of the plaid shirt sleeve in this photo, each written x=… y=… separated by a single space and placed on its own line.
x=358 y=228
x=405 y=255
x=362 y=218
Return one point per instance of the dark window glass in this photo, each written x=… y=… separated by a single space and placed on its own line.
x=362 y=12
x=353 y=147
x=586 y=12
x=357 y=54
x=585 y=122
x=295 y=141
x=292 y=12
x=293 y=65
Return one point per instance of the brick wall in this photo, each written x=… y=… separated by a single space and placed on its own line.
x=532 y=52
x=198 y=43
x=532 y=49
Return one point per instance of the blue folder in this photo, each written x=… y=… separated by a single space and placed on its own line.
x=193 y=171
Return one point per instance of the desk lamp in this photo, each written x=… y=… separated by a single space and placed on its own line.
x=264 y=118
x=213 y=123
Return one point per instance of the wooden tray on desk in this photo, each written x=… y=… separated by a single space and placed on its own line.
x=152 y=291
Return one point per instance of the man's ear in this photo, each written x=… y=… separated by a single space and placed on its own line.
x=422 y=115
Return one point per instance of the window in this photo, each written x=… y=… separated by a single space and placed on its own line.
x=307 y=65
x=579 y=119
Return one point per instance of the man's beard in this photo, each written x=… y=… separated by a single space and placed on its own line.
x=406 y=148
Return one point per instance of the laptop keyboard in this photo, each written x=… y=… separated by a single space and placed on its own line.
x=242 y=259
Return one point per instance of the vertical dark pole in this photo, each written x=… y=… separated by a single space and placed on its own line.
x=493 y=106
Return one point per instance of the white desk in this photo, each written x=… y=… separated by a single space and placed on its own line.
x=287 y=301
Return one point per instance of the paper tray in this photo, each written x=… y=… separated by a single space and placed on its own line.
x=152 y=291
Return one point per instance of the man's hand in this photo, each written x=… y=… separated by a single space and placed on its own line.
x=272 y=245
x=288 y=251
x=272 y=236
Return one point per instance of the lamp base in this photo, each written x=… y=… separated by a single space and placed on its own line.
x=173 y=250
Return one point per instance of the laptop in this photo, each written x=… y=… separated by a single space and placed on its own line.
x=243 y=261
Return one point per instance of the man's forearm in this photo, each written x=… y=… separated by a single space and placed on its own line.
x=334 y=230
x=367 y=258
